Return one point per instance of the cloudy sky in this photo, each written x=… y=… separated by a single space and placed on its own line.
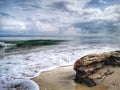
x=59 y=17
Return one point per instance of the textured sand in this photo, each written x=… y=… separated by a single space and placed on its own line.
x=62 y=78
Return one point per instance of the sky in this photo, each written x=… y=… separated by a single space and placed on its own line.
x=59 y=17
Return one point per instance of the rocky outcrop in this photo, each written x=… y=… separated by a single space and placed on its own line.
x=91 y=69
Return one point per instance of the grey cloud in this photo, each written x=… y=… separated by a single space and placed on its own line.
x=98 y=26
x=97 y=4
x=55 y=13
x=59 y=5
x=4 y=14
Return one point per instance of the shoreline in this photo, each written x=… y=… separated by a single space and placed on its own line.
x=62 y=78
x=23 y=65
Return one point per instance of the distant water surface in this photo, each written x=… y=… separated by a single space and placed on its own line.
x=79 y=39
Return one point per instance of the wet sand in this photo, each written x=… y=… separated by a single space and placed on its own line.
x=62 y=78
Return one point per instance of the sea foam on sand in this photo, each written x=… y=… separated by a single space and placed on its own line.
x=16 y=70
x=20 y=84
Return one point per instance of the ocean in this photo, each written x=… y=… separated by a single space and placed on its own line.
x=30 y=62
x=90 y=39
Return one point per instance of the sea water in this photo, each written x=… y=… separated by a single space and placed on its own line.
x=17 y=68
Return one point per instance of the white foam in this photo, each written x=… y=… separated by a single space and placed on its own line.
x=29 y=65
x=6 y=44
x=19 y=84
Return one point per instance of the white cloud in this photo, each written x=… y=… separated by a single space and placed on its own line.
x=72 y=31
x=12 y=24
x=102 y=1
x=76 y=5
x=117 y=24
x=110 y=13
x=45 y=27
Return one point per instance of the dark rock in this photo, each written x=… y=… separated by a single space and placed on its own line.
x=1 y=46
x=91 y=69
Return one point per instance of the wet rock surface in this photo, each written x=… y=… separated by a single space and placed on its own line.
x=91 y=69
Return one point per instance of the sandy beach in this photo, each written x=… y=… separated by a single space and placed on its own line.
x=62 y=78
